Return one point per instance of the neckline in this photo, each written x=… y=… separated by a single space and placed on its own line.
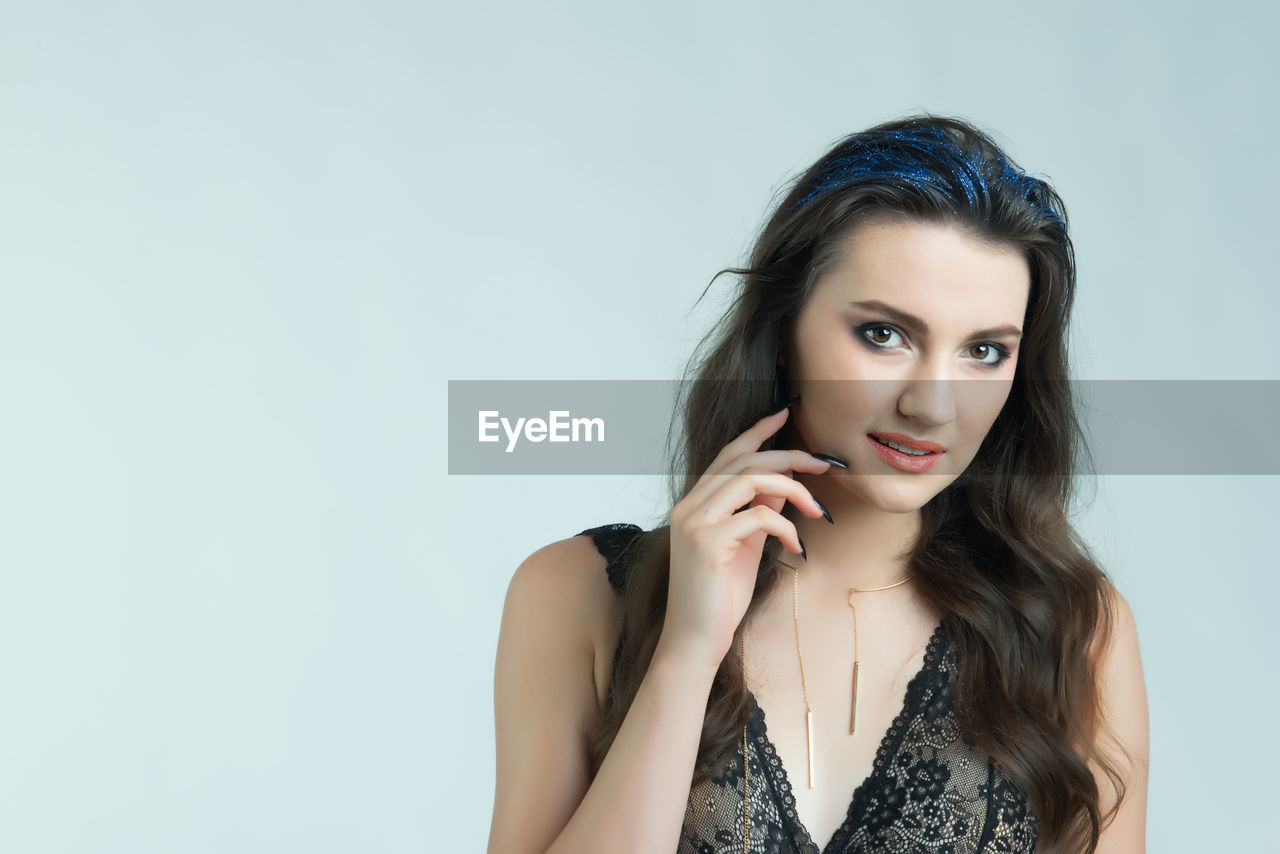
x=884 y=752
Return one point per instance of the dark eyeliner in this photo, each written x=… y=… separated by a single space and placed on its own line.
x=1004 y=354
x=862 y=330
x=862 y=333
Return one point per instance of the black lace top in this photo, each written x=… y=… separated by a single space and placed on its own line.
x=929 y=790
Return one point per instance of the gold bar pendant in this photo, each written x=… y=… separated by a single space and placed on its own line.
x=808 y=736
x=853 y=706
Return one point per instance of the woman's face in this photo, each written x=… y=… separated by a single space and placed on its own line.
x=914 y=330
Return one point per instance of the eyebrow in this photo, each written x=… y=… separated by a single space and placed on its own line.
x=910 y=320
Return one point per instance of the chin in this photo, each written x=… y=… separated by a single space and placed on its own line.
x=899 y=494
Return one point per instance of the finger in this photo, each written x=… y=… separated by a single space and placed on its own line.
x=784 y=461
x=738 y=491
x=758 y=519
x=749 y=440
x=773 y=502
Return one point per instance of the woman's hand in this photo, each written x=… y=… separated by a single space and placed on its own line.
x=716 y=548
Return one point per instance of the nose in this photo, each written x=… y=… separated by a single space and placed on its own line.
x=929 y=396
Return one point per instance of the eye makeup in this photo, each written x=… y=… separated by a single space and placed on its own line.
x=863 y=332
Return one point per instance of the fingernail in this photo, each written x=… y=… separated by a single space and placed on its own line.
x=824 y=510
x=803 y=553
x=790 y=403
x=833 y=460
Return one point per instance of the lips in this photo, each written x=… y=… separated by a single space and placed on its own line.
x=904 y=460
x=908 y=442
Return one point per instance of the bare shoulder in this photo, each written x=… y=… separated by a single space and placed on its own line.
x=565 y=582
x=1117 y=661
x=545 y=699
x=1115 y=642
x=1122 y=702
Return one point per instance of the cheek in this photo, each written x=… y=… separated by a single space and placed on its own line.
x=978 y=405
x=834 y=408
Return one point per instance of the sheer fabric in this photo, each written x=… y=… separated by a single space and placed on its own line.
x=929 y=789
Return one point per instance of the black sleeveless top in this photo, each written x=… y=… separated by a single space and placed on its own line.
x=929 y=790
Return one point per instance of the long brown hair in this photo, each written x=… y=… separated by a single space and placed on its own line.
x=1024 y=601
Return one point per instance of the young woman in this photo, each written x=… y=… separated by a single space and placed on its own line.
x=867 y=623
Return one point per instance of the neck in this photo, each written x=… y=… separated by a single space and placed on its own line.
x=865 y=546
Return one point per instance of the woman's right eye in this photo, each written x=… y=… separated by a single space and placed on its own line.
x=875 y=334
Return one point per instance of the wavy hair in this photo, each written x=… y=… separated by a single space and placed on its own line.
x=1024 y=601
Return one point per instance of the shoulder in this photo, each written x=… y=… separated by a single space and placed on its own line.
x=1115 y=641
x=1124 y=735
x=615 y=542
x=563 y=590
x=565 y=580
x=545 y=698
x=1117 y=663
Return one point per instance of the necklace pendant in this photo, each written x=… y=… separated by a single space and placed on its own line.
x=853 y=705
x=808 y=737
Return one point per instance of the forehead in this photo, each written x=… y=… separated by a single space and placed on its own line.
x=933 y=270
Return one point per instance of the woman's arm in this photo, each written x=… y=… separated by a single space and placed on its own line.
x=545 y=699
x=1124 y=708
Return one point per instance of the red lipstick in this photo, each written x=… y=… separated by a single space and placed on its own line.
x=902 y=460
x=914 y=444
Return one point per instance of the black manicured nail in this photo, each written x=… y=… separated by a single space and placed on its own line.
x=833 y=460
x=803 y=553
x=790 y=403
x=824 y=510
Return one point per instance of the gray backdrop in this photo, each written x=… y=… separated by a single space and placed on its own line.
x=245 y=245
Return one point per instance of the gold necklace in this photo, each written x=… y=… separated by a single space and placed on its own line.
x=808 y=712
x=853 y=704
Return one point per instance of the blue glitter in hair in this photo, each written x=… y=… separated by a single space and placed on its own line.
x=923 y=156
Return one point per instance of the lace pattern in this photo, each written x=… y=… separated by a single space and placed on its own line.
x=611 y=541
x=929 y=790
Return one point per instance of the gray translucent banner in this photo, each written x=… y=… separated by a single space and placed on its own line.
x=542 y=427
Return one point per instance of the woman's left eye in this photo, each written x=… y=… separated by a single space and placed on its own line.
x=982 y=351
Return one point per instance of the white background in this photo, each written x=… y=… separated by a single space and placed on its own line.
x=245 y=245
